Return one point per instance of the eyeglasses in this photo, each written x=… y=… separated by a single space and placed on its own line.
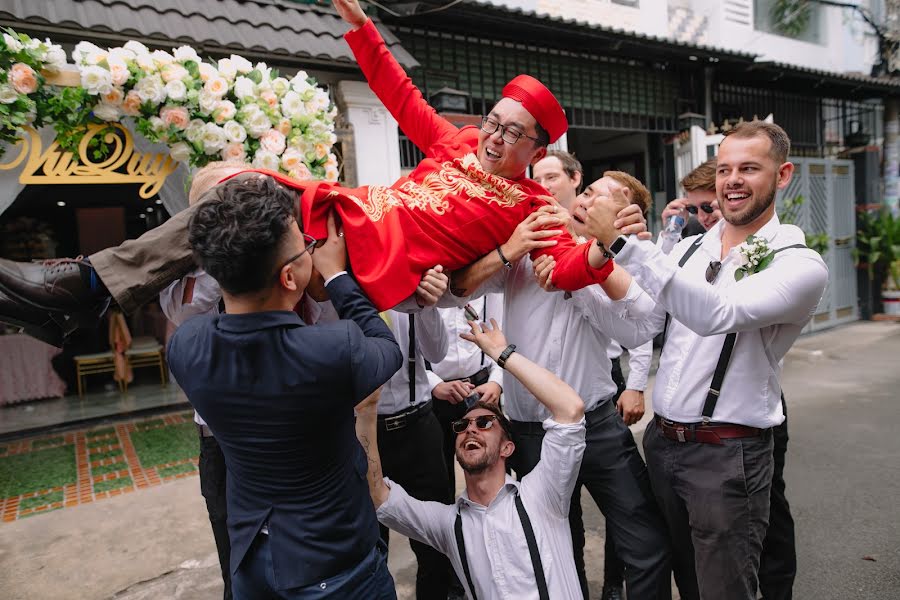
x=712 y=271
x=510 y=136
x=310 y=247
x=707 y=208
x=483 y=422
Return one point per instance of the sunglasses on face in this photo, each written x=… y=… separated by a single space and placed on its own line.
x=310 y=246
x=707 y=208
x=483 y=422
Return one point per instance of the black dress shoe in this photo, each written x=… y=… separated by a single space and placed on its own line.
x=34 y=322
x=53 y=285
x=612 y=593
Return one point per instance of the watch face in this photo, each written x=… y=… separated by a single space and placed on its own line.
x=617 y=245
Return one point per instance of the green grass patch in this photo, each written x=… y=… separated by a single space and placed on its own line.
x=112 y=484
x=175 y=469
x=99 y=443
x=42 y=500
x=166 y=444
x=104 y=469
x=38 y=470
x=151 y=424
x=54 y=441
x=3 y=450
x=99 y=432
x=105 y=454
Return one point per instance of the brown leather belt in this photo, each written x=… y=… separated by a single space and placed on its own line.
x=712 y=433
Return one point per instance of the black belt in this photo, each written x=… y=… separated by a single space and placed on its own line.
x=605 y=409
x=479 y=378
x=203 y=430
x=404 y=418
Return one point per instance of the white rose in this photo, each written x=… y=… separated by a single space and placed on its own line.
x=107 y=112
x=331 y=173
x=136 y=47
x=227 y=69
x=96 y=80
x=273 y=141
x=292 y=105
x=82 y=50
x=183 y=53
x=321 y=100
x=151 y=89
x=56 y=56
x=224 y=111
x=118 y=69
x=157 y=124
x=291 y=159
x=244 y=87
x=194 y=130
x=265 y=160
x=212 y=138
x=217 y=86
x=180 y=151
x=162 y=58
x=14 y=45
x=241 y=64
x=234 y=131
x=146 y=63
x=258 y=124
x=176 y=90
x=122 y=55
x=207 y=102
x=8 y=94
x=280 y=86
x=207 y=71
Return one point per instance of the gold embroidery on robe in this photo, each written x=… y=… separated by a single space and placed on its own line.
x=462 y=177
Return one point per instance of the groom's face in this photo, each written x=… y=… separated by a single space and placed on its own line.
x=501 y=158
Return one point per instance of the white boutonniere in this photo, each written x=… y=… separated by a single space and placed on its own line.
x=754 y=255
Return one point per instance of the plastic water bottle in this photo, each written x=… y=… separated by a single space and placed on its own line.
x=672 y=230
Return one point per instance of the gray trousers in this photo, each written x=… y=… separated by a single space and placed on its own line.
x=136 y=271
x=715 y=500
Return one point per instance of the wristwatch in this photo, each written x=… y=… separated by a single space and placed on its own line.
x=505 y=262
x=614 y=248
x=507 y=352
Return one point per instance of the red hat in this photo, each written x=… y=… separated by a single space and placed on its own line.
x=540 y=102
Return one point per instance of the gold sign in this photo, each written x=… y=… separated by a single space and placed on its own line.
x=122 y=165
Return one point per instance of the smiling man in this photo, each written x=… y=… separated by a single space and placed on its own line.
x=505 y=538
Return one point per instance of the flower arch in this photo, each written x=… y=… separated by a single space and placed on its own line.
x=204 y=111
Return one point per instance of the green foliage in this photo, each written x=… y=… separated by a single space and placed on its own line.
x=878 y=244
x=791 y=17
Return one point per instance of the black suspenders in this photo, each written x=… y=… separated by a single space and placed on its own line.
x=543 y=593
x=712 y=396
x=411 y=359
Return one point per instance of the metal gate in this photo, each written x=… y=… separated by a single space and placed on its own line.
x=826 y=187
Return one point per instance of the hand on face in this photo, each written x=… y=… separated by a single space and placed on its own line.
x=331 y=257
x=488 y=337
x=432 y=286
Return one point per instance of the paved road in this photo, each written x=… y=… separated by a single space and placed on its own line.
x=843 y=477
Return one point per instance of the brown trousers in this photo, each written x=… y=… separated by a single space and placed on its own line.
x=136 y=271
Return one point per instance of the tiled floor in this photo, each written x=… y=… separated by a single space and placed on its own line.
x=38 y=414
x=54 y=471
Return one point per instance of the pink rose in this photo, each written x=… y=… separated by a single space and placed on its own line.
x=270 y=98
x=175 y=115
x=284 y=126
x=301 y=173
x=23 y=78
x=234 y=152
x=131 y=106
x=173 y=72
x=114 y=97
x=272 y=141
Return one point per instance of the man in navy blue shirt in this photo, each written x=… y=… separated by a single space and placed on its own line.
x=279 y=397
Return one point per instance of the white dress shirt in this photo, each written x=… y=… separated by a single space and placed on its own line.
x=555 y=331
x=639 y=360
x=463 y=357
x=431 y=345
x=496 y=547
x=767 y=310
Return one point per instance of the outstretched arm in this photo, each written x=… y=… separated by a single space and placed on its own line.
x=367 y=434
x=561 y=400
x=416 y=118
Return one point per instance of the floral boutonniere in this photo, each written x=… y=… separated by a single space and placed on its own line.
x=754 y=255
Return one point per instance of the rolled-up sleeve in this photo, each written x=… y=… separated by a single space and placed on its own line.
x=552 y=481
x=428 y=522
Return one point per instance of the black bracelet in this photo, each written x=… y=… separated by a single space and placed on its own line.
x=606 y=253
x=506 y=263
x=507 y=352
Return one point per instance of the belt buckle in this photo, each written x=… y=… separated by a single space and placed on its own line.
x=679 y=433
x=394 y=423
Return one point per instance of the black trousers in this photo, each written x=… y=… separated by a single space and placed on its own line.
x=212 y=487
x=778 y=562
x=613 y=567
x=616 y=477
x=412 y=456
x=715 y=499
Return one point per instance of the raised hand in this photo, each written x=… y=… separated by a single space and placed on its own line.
x=532 y=234
x=351 y=12
x=487 y=337
x=331 y=257
x=675 y=207
x=432 y=286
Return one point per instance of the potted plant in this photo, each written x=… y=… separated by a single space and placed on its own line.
x=878 y=252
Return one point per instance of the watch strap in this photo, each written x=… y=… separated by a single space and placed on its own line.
x=617 y=245
x=506 y=263
x=507 y=352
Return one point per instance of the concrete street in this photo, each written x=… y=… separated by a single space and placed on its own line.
x=843 y=477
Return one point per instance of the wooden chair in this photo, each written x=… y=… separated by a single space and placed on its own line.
x=92 y=364
x=147 y=352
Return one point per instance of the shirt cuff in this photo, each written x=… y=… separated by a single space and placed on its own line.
x=335 y=276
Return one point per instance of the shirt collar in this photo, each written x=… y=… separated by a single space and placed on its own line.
x=510 y=486
x=248 y=322
x=712 y=241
